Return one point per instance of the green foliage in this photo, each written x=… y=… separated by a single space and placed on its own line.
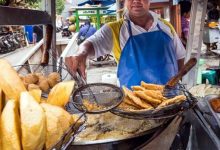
x=59 y=6
x=2 y=2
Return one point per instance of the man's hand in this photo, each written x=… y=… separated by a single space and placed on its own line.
x=78 y=62
x=75 y=63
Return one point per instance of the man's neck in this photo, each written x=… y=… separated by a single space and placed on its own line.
x=144 y=21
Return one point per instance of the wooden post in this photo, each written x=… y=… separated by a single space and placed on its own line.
x=118 y=8
x=50 y=7
x=175 y=18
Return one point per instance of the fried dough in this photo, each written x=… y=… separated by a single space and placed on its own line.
x=155 y=94
x=152 y=86
x=126 y=106
x=136 y=99
x=138 y=88
x=128 y=101
x=174 y=100
x=148 y=99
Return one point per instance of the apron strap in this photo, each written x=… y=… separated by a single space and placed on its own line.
x=129 y=28
x=159 y=27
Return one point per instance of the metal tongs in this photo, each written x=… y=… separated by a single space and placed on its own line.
x=82 y=82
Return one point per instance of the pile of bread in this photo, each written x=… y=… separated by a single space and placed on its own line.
x=147 y=97
x=26 y=121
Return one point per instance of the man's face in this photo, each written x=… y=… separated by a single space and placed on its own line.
x=137 y=8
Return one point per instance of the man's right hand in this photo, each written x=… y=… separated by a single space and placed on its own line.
x=78 y=62
x=75 y=63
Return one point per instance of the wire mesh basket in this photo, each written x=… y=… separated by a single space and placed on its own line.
x=44 y=69
x=163 y=113
x=97 y=98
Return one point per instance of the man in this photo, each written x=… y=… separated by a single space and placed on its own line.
x=185 y=7
x=145 y=47
x=85 y=32
x=37 y=33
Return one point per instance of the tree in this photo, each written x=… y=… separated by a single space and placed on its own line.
x=59 y=6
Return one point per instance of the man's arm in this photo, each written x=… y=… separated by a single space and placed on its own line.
x=86 y=49
x=97 y=45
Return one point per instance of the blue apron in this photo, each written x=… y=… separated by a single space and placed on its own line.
x=148 y=57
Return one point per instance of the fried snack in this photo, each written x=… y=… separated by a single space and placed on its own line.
x=215 y=103
x=174 y=100
x=60 y=93
x=41 y=78
x=44 y=85
x=10 y=127
x=25 y=84
x=152 y=86
x=39 y=74
x=52 y=82
x=91 y=106
x=136 y=99
x=31 y=79
x=58 y=122
x=155 y=94
x=36 y=94
x=33 y=123
x=55 y=76
x=128 y=101
x=146 y=98
x=138 y=88
x=126 y=106
x=32 y=87
x=21 y=77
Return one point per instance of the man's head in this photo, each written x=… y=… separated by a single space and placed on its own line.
x=185 y=7
x=137 y=8
x=87 y=22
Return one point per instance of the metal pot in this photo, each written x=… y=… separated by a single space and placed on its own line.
x=122 y=144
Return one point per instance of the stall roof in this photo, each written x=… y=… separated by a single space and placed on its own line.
x=92 y=2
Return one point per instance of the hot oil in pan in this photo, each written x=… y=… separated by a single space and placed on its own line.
x=215 y=103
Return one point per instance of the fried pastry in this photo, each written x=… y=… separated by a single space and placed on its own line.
x=136 y=99
x=148 y=99
x=138 y=88
x=155 y=94
x=174 y=100
x=128 y=101
x=152 y=86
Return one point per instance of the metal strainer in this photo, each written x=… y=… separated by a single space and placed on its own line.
x=97 y=97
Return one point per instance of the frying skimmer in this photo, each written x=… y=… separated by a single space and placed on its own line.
x=170 y=89
x=96 y=97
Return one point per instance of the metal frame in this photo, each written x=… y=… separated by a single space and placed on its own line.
x=97 y=12
x=196 y=32
x=17 y=16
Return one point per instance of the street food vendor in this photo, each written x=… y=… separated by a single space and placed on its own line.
x=145 y=47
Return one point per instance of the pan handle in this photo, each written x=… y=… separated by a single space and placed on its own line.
x=186 y=68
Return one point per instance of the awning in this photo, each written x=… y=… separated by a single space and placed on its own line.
x=92 y=2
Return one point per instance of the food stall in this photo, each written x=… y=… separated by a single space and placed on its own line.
x=121 y=128
x=95 y=14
